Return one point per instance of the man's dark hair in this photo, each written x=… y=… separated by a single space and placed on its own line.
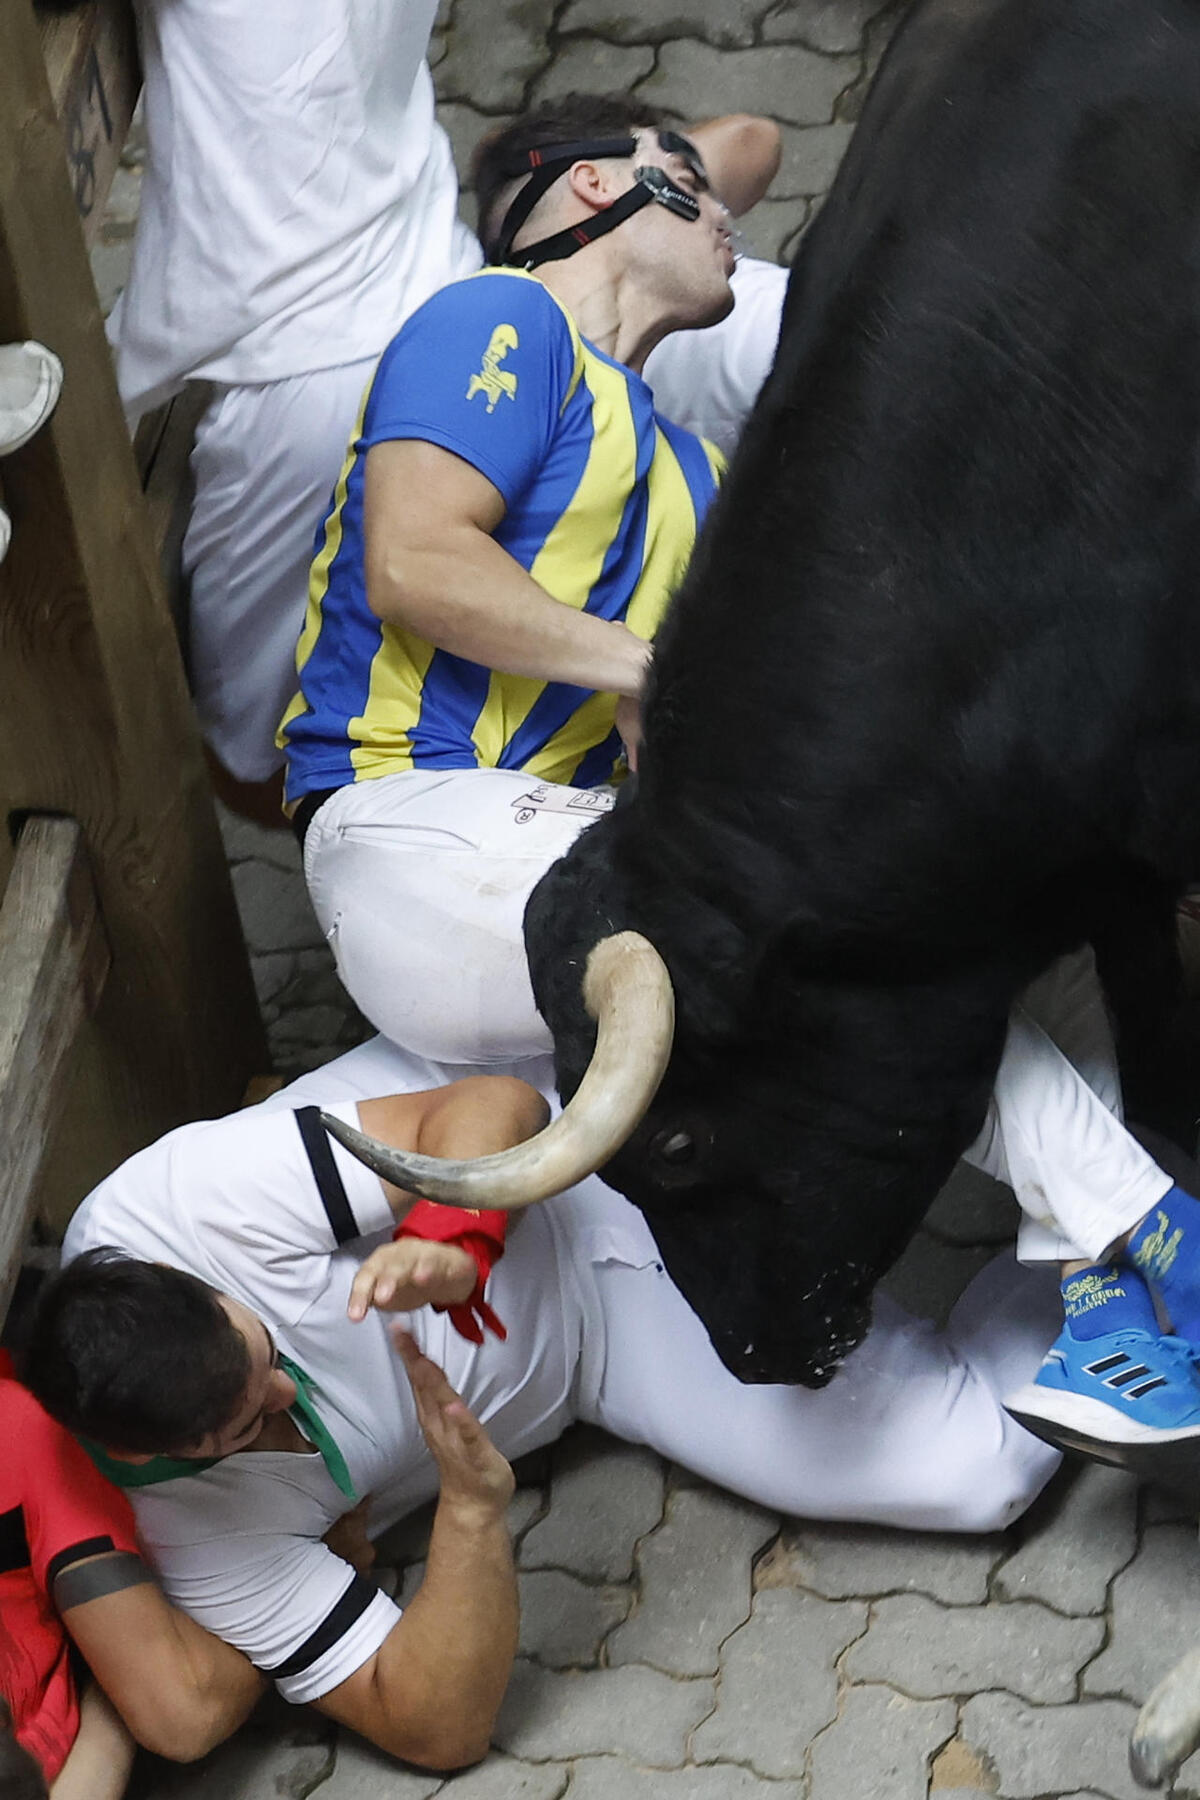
x=573 y=118
x=20 y=1776
x=135 y=1355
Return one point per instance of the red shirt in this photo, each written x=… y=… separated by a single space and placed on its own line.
x=55 y=1508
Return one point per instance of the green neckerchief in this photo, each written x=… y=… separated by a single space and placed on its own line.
x=169 y=1468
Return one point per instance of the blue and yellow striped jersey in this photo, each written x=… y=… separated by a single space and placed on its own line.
x=603 y=500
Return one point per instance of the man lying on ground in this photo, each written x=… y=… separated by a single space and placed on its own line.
x=217 y=1361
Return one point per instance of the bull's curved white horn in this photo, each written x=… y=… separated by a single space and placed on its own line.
x=1168 y=1726
x=627 y=990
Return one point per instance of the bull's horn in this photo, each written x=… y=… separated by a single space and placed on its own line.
x=627 y=990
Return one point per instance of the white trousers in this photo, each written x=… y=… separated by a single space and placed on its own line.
x=265 y=462
x=911 y=1430
x=420 y=883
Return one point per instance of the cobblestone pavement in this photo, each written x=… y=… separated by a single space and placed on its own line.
x=678 y=1644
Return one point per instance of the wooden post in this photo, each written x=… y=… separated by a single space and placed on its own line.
x=95 y=721
x=53 y=962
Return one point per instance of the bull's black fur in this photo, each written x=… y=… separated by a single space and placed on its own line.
x=926 y=711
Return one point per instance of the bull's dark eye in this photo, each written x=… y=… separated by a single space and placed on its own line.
x=674 y=1147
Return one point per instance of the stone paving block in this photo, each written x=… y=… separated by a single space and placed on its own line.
x=696 y=1581
x=727 y=24
x=274 y=907
x=794 y=86
x=499 y=1778
x=361 y=1772
x=589 y=65
x=1079 y=1534
x=464 y=127
x=1155 y=1615
x=1062 y=1750
x=772 y=228
x=1162 y=1506
x=604 y=1496
x=494 y=51
x=245 y=841
x=843 y=1561
x=604 y=1778
x=282 y=1755
x=880 y=1746
x=927 y=1650
x=828 y=25
x=811 y=154
x=778 y=1683
x=636 y=1713
x=564 y=1621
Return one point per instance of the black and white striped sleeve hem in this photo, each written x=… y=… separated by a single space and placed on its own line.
x=327 y=1176
x=351 y=1632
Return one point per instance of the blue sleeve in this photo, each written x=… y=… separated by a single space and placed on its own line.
x=482 y=369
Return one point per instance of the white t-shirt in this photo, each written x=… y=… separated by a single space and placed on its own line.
x=299 y=200
x=239 y=1203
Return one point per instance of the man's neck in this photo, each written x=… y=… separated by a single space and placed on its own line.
x=280 y=1432
x=610 y=310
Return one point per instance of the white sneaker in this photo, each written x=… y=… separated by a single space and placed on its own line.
x=31 y=379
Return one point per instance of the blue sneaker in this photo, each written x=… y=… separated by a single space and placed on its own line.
x=1128 y=1398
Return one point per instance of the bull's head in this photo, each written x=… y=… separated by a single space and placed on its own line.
x=774 y=1231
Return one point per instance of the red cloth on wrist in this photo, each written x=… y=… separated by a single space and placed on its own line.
x=481 y=1234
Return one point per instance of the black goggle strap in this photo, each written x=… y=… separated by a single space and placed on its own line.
x=653 y=183
x=544 y=168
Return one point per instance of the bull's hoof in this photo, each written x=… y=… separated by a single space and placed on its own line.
x=1168 y=1726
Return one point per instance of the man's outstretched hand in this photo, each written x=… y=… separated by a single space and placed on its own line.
x=476 y=1481
x=402 y=1276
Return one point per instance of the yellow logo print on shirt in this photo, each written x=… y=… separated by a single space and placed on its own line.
x=492 y=380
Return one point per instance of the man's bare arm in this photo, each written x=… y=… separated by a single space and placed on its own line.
x=179 y=1689
x=741 y=155
x=434 y=568
x=431 y=1693
x=471 y=1117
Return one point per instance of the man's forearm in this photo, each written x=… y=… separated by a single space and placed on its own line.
x=467 y=1615
x=434 y=1688
x=468 y=596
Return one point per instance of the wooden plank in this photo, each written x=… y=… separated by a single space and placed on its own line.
x=53 y=961
x=95 y=720
x=95 y=76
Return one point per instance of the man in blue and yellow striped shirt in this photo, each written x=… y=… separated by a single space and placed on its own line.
x=510 y=523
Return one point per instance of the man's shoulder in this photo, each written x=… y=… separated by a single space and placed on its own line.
x=492 y=301
x=137 y=1206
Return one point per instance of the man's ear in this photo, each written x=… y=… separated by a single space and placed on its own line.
x=596 y=184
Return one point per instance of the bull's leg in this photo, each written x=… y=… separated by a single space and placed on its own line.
x=1156 y=1024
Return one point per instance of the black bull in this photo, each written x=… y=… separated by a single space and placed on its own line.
x=926 y=711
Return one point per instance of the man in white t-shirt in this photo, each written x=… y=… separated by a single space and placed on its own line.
x=300 y=202
x=284 y=1411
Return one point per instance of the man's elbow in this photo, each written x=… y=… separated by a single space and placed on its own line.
x=443 y=1750
x=182 y=1734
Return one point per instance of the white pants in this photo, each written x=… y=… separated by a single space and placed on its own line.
x=910 y=1431
x=420 y=883
x=265 y=462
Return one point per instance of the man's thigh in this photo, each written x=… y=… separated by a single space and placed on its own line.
x=420 y=883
